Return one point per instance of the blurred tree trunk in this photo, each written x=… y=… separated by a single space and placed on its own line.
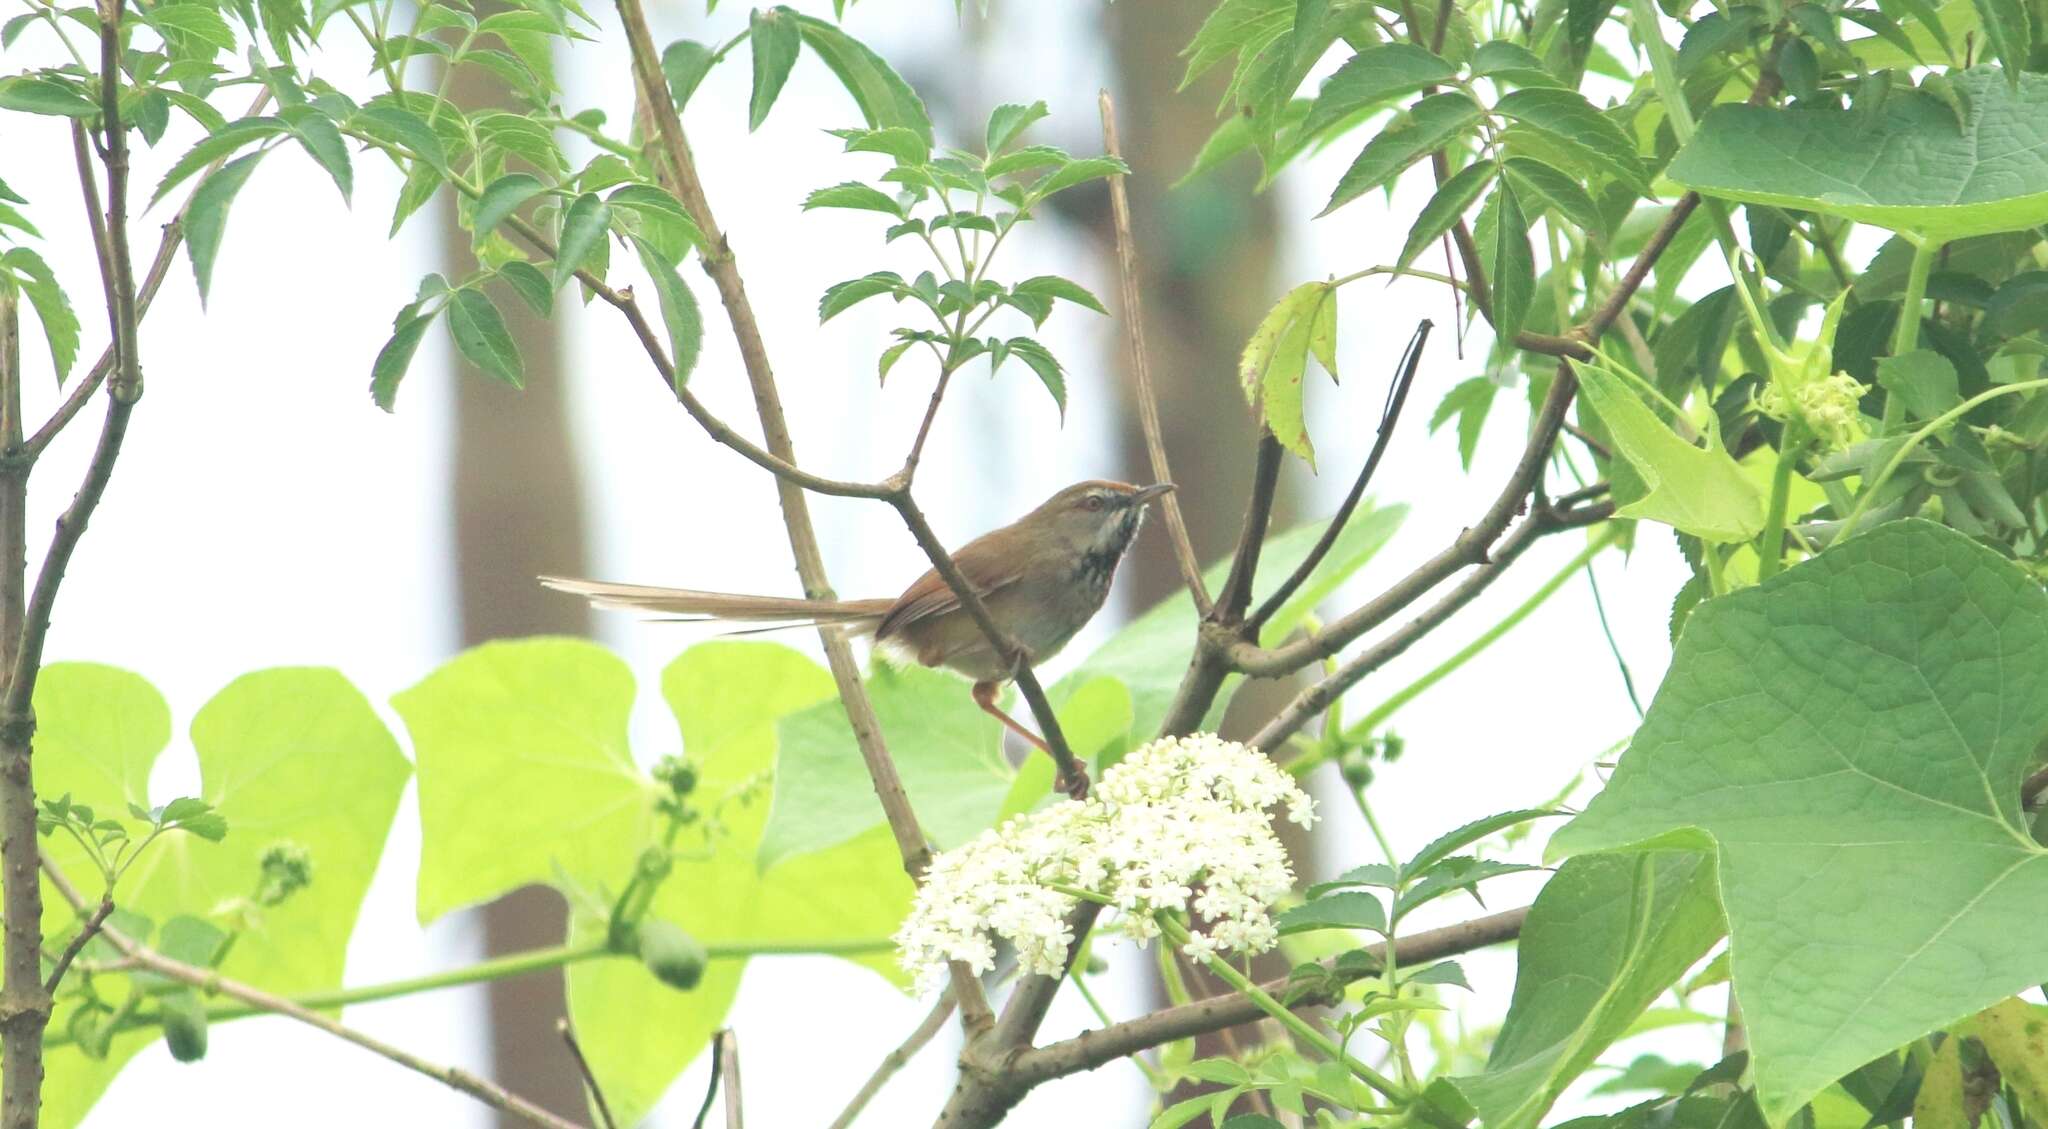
x=1207 y=258
x=518 y=512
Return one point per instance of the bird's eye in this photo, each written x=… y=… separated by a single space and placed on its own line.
x=1092 y=502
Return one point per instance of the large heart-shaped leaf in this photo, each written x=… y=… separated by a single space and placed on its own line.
x=292 y=754
x=1849 y=738
x=1920 y=171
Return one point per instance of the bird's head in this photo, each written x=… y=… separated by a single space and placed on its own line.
x=1095 y=519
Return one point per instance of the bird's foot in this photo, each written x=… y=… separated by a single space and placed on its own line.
x=1075 y=783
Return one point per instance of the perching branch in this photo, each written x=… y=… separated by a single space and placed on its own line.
x=604 y=1109
x=87 y=930
x=1397 y=395
x=723 y=268
x=895 y=1060
x=207 y=980
x=1141 y=365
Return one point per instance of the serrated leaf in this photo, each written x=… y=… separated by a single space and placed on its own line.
x=215 y=146
x=322 y=141
x=206 y=216
x=2010 y=33
x=42 y=94
x=1538 y=182
x=853 y=194
x=1853 y=732
x=684 y=64
x=1452 y=200
x=1457 y=839
x=1568 y=118
x=1468 y=402
x=1078 y=171
x=533 y=287
x=1046 y=366
x=1010 y=120
x=1053 y=286
x=1372 y=76
x=396 y=356
x=679 y=311
x=584 y=225
x=1510 y=264
x=842 y=296
x=1923 y=380
x=480 y=335
x=1427 y=126
x=1350 y=909
x=500 y=199
x=53 y=308
x=774 y=38
x=882 y=95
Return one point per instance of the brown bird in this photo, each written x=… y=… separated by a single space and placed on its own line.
x=1042 y=578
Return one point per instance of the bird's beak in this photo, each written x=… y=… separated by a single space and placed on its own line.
x=1148 y=493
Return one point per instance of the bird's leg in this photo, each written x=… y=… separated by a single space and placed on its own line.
x=1074 y=785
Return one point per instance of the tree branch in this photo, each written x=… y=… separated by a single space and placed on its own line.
x=1397 y=395
x=1091 y=1049
x=209 y=981
x=604 y=1109
x=1141 y=366
x=720 y=264
x=895 y=1060
x=86 y=932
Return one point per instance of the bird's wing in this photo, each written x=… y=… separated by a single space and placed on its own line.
x=930 y=595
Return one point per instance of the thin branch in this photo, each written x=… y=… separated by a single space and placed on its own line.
x=126 y=383
x=1397 y=395
x=210 y=981
x=711 y=1086
x=1091 y=1049
x=720 y=264
x=729 y=1057
x=1312 y=701
x=604 y=1109
x=86 y=932
x=2034 y=788
x=895 y=1060
x=1141 y=365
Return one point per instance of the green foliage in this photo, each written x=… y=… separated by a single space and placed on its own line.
x=1848 y=712
x=290 y=753
x=1698 y=491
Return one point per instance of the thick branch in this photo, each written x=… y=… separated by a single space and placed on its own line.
x=207 y=980
x=1091 y=1049
x=1141 y=366
x=720 y=264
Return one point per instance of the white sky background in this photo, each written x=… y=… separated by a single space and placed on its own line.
x=265 y=513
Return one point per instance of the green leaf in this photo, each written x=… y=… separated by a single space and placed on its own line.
x=53 y=308
x=206 y=217
x=903 y=146
x=655 y=215
x=1427 y=126
x=882 y=95
x=1348 y=910
x=853 y=194
x=948 y=751
x=842 y=296
x=1078 y=172
x=530 y=284
x=1566 y=117
x=775 y=39
x=1053 y=286
x=501 y=198
x=322 y=141
x=2010 y=34
x=1695 y=490
x=1374 y=75
x=1608 y=934
x=1046 y=366
x=1451 y=842
x=396 y=355
x=1852 y=733
x=1915 y=172
x=221 y=143
x=480 y=335
x=583 y=229
x=1444 y=209
x=399 y=126
x=292 y=753
x=1924 y=380
x=1534 y=180
x=685 y=63
x=1511 y=265
x=196 y=21
x=1467 y=402
x=2015 y=1033
x=679 y=312
x=42 y=94
x=1009 y=121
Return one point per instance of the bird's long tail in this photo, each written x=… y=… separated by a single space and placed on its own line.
x=725 y=607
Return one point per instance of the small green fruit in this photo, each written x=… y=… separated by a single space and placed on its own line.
x=184 y=1023
x=675 y=957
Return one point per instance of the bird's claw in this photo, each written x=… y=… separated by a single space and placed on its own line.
x=1075 y=783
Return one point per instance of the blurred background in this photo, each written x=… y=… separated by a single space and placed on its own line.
x=265 y=513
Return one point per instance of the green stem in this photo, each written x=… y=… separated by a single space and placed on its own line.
x=1919 y=437
x=1371 y=722
x=1300 y=1027
x=1771 y=557
x=1906 y=335
x=515 y=964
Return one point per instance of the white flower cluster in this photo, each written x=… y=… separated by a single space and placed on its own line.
x=1181 y=820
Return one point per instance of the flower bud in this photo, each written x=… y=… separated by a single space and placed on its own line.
x=676 y=774
x=287 y=868
x=675 y=957
x=1356 y=765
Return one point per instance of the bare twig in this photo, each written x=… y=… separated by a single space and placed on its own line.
x=720 y=264
x=1317 y=698
x=210 y=981
x=1397 y=395
x=711 y=1087
x=2034 y=788
x=729 y=1057
x=604 y=1109
x=1091 y=1049
x=1141 y=365
x=895 y=1060
x=89 y=929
